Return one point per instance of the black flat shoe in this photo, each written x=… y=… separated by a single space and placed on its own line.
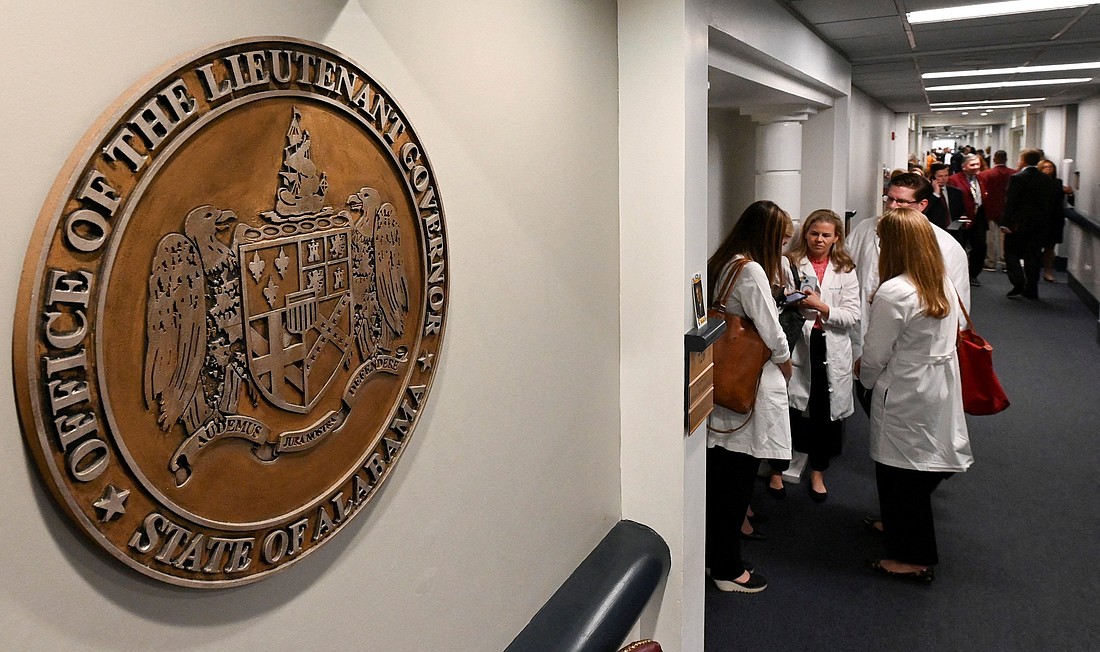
x=818 y=496
x=869 y=525
x=924 y=577
x=755 y=535
x=778 y=494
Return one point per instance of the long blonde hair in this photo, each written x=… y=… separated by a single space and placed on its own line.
x=842 y=262
x=907 y=245
x=758 y=235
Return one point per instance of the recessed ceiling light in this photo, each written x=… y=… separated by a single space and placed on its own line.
x=964 y=113
x=988 y=9
x=1009 y=84
x=977 y=102
x=1012 y=71
x=983 y=114
x=980 y=108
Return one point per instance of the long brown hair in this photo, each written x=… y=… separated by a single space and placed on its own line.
x=758 y=235
x=907 y=245
x=842 y=262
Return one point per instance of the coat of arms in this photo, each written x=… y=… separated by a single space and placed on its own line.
x=231 y=313
x=273 y=312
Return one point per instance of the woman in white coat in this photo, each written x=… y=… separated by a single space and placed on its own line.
x=820 y=391
x=918 y=431
x=737 y=442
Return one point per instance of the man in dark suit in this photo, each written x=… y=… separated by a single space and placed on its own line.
x=994 y=183
x=971 y=234
x=946 y=203
x=1030 y=200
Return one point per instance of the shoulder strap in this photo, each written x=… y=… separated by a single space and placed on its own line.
x=966 y=315
x=727 y=287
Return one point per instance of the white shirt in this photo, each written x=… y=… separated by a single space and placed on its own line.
x=767 y=433
x=839 y=291
x=862 y=245
x=910 y=360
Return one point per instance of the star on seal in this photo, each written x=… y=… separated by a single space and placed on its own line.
x=112 y=503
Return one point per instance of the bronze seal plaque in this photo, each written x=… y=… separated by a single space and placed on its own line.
x=231 y=312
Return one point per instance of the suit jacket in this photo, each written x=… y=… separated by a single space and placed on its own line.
x=962 y=183
x=938 y=214
x=1031 y=202
x=994 y=183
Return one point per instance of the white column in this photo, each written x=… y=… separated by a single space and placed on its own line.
x=779 y=155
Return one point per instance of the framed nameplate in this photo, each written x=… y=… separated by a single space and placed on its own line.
x=231 y=312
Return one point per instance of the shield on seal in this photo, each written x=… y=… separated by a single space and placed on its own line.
x=297 y=304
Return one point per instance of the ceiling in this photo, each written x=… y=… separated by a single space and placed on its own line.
x=888 y=55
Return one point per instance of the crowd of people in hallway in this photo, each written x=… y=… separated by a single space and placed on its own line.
x=877 y=315
x=992 y=209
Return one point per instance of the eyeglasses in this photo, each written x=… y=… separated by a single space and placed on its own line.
x=900 y=202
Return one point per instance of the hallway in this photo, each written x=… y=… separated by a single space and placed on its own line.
x=1019 y=533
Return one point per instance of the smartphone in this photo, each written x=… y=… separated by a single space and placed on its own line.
x=794 y=297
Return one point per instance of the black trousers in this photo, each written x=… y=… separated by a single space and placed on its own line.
x=973 y=242
x=730 y=479
x=1025 y=247
x=817 y=435
x=905 y=498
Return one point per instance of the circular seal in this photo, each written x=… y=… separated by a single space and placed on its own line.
x=231 y=311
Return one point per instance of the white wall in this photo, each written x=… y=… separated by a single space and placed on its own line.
x=730 y=170
x=513 y=473
x=1088 y=156
x=773 y=34
x=825 y=160
x=1053 y=141
x=871 y=150
x=652 y=198
x=1081 y=248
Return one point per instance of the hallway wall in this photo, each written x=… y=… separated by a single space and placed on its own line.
x=731 y=166
x=1088 y=156
x=870 y=151
x=512 y=475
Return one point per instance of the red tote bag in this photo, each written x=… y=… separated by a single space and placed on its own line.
x=981 y=389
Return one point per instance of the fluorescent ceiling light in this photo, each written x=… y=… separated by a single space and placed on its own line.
x=988 y=9
x=982 y=108
x=1009 y=84
x=977 y=102
x=1012 y=71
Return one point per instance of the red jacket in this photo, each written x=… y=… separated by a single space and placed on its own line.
x=960 y=181
x=994 y=183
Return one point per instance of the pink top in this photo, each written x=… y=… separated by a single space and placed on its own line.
x=819 y=270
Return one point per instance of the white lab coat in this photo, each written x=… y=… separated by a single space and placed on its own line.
x=767 y=435
x=910 y=360
x=839 y=291
x=862 y=246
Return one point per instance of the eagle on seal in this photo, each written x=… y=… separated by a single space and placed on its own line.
x=379 y=286
x=195 y=360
